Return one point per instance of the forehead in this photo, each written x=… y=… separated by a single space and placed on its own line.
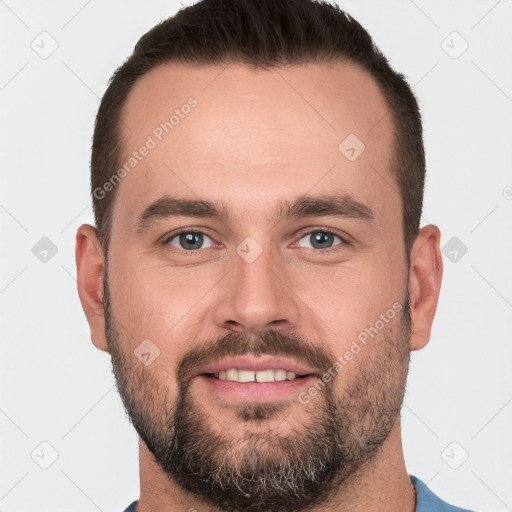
x=250 y=136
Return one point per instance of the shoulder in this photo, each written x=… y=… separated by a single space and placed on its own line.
x=131 y=508
x=427 y=501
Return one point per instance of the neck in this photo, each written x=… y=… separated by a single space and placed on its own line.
x=381 y=485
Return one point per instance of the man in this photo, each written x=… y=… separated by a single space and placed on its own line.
x=257 y=272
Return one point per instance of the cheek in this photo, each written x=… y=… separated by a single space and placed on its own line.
x=376 y=355
x=156 y=302
x=351 y=296
x=171 y=305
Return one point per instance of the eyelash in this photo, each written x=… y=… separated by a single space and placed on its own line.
x=344 y=241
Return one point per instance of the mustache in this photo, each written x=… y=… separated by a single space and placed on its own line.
x=272 y=342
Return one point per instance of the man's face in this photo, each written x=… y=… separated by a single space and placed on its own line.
x=269 y=286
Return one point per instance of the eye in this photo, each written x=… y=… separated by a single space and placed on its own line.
x=320 y=239
x=190 y=240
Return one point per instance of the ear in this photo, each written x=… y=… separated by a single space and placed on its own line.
x=425 y=275
x=90 y=267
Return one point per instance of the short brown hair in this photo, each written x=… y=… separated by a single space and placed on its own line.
x=261 y=34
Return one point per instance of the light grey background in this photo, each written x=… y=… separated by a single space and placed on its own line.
x=55 y=387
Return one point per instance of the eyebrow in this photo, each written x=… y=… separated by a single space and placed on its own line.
x=337 y=205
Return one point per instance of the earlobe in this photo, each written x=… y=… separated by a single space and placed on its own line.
x=425 y=276
x=90 y=265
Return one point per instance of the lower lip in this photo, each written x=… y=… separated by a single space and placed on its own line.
x=258 y=391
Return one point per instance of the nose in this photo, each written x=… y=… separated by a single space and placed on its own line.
x=256 y=297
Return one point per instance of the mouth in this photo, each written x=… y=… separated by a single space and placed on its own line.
x=260 y=376
x=263 y=368
x=233 y=391
x=251 y=379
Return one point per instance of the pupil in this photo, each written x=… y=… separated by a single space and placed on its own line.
x=321 y=238
x=194 y=239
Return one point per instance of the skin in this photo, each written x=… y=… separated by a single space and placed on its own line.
x=254 y=139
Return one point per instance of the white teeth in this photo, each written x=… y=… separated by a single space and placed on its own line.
x=265 y=376
x=245 y=376
x=279 y=375
x=231 y=374
x=270 y=375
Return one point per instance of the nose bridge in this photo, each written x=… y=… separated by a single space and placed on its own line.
x=256 y=297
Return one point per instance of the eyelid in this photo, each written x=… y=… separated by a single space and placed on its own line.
x=165 y=239
x=344 y=242
x=345 y=239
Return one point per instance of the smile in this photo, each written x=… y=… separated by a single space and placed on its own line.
x=270 y=375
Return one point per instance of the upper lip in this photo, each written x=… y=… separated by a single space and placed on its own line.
x=257 y=364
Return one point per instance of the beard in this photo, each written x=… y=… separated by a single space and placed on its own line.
x=260 y=469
